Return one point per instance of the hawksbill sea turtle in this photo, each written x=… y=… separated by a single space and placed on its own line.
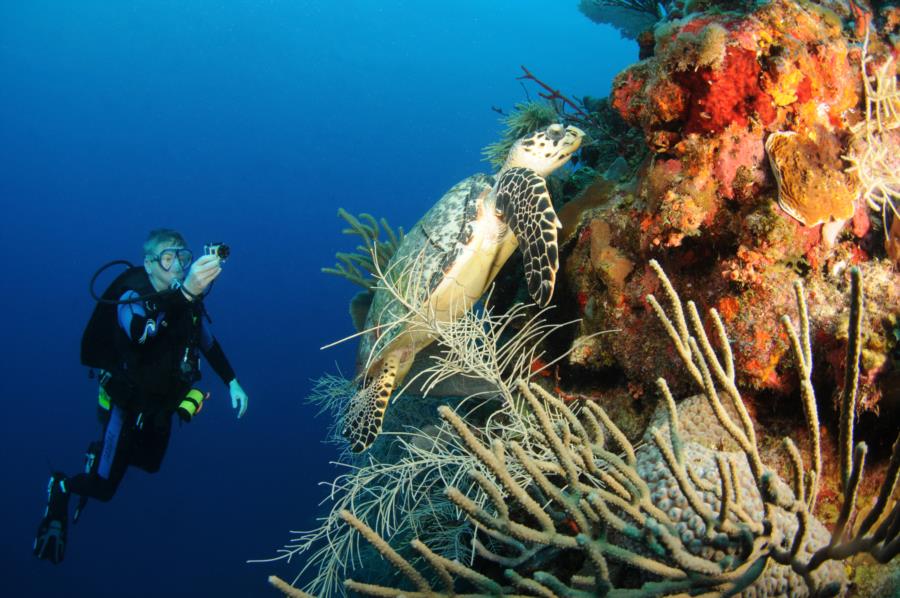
x=449 y=258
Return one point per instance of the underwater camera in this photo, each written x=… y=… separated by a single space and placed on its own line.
x=191 y=404
x=218 y=249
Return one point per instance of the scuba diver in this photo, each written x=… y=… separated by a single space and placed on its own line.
x=144 y=339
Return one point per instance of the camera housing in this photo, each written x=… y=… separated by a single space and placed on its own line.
x=218 y=249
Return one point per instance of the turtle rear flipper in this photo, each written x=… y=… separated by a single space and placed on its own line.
x=365 y=413
x=525 y=205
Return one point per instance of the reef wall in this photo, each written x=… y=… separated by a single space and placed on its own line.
x=756 y=124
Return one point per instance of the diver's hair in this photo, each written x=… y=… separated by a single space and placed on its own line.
x=163 y=235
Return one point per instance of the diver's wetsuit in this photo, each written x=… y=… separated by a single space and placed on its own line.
x=148 y=352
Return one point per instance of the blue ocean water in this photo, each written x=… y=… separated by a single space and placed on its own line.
x=249 y=122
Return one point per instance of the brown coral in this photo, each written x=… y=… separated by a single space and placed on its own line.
x=612 y=266
x=812 y=187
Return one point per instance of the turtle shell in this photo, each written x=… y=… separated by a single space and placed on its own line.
x=427 y=251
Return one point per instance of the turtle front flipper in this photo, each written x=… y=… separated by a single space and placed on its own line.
x=524 y=203
x=365 y=413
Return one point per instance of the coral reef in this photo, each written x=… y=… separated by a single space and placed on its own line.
x=670 y=516
x=753 y=145
x=733 y=221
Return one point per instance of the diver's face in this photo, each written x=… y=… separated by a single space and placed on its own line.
x=164 y=266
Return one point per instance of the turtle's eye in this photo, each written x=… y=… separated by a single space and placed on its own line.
x=556 y=132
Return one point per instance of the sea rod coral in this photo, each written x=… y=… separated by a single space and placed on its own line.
x=668 y=517
x=359 y=267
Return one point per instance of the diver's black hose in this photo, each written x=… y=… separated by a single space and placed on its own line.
x=127 y=264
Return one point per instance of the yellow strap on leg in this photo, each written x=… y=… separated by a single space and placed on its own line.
x=103 y=399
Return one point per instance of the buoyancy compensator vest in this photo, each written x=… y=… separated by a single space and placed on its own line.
x=149 y=377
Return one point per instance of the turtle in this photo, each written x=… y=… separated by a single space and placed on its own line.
x=449 y=259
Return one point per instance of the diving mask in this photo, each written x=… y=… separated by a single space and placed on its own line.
x=168 y=256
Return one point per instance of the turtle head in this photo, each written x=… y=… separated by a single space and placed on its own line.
x=545 y=150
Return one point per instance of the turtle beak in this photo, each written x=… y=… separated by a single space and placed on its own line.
x=574 y=137
x=577 y=133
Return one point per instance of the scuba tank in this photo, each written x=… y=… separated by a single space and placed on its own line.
x=99 y=344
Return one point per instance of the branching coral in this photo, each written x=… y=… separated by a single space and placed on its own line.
x=682 y=517
x=400 y=491
x=874 y=156
x=884 y=542
x=385 y=494
x=359 y=267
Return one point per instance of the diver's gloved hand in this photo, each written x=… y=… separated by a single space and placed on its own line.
x=202 y=273
x=238 y=397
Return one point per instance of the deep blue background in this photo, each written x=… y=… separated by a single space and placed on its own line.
x=249 y=122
